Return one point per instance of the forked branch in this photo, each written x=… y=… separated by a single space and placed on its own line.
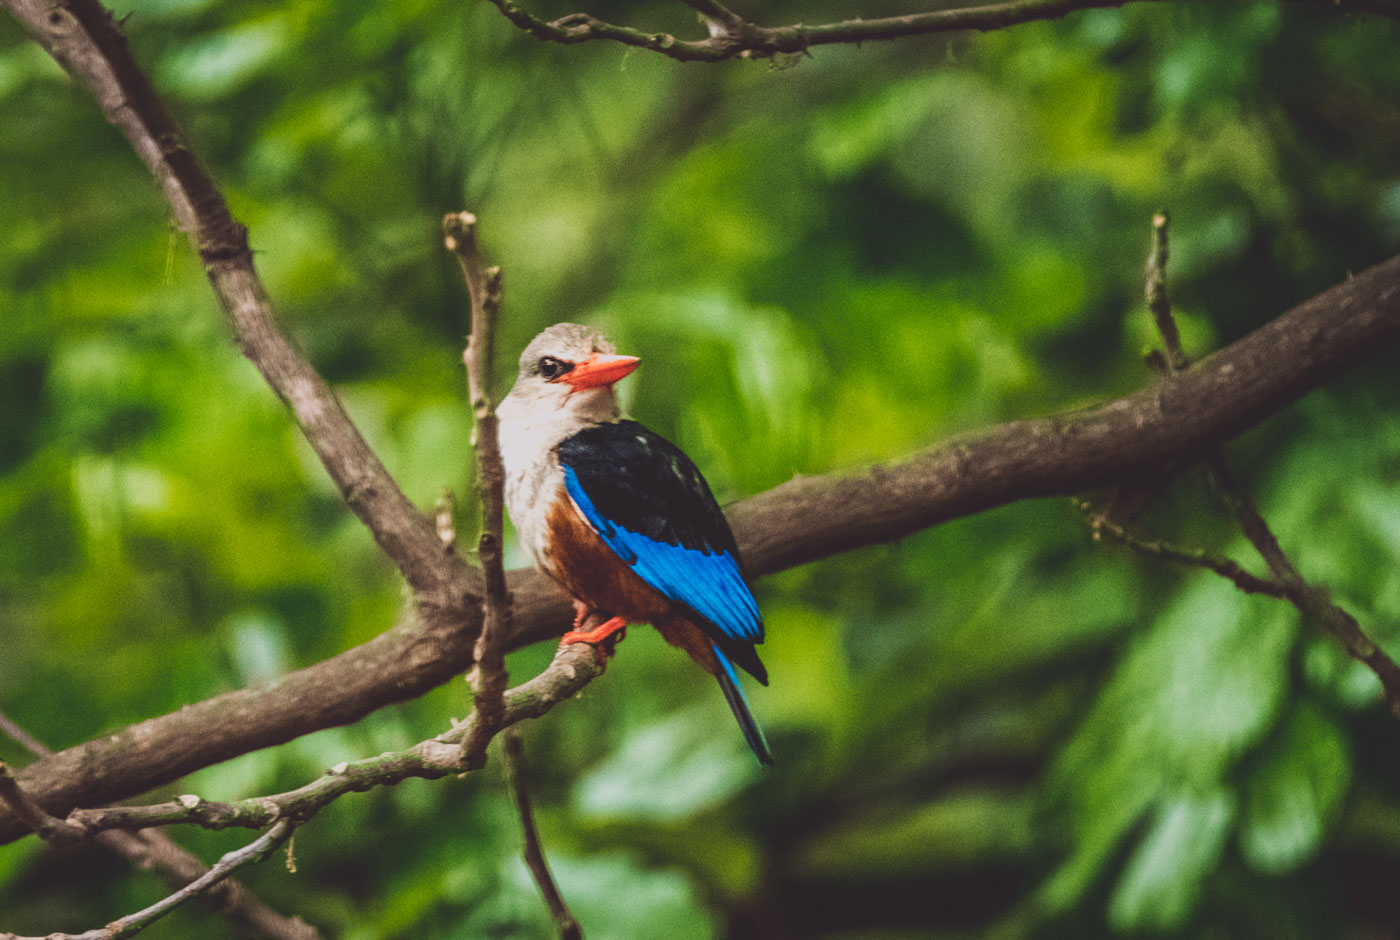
x=1285 y=581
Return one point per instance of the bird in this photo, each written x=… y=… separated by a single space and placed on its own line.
x=621 y=518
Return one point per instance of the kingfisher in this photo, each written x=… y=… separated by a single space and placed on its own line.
x=621 y=517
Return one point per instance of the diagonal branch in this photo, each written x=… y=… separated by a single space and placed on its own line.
x=1186 y=414
x=49 y=828
x=1311 y=600
x=82 y=36
x=1101 y=525
x=733 y=37
x=132 y=924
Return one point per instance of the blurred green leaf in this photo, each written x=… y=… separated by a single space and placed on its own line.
x=1294 y=793
x=1162 y=880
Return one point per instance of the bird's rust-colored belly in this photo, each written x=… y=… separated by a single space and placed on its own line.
x=588 y=569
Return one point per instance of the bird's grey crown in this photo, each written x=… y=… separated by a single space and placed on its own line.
x=570 y=342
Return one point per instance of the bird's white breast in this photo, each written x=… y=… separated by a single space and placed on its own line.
x=532 y=424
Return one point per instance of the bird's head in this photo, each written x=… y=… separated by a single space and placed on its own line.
x=569 y=368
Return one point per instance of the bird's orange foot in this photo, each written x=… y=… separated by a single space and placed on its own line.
x=602 y=638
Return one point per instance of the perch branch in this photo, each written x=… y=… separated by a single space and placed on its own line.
x=731 y=36
x=488 y=677
x=516 y=776
x=802 y=520
x=572 y=668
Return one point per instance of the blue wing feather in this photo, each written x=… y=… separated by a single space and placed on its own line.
x=708 y=582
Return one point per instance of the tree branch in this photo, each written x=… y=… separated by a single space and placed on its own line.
x=733 y=37
x=572 y=668
x=1158 y=300
x=1312 y=601
x=1181 y=416
x=1101 y=525
x=178 y=867
x=132 y=924
x=488 y=677
x=46 y=827
x=516 y=776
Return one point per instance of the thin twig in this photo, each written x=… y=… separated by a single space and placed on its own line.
x=1158 y=300
x=718 y=18
x=24 y=739
x=444 y=518
x=133 y=924
x=1312 y=601
x=741 y=39
x=489 y=675
x=573 y=667
x=1101 y=526
x=513 y=751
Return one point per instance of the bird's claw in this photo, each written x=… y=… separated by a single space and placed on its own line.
x=603 y=639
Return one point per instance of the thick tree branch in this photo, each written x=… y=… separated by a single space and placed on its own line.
x=731 y=36
x=82 y=36
x=807 y=518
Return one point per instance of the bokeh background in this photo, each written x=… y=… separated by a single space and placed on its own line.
x=996 y=727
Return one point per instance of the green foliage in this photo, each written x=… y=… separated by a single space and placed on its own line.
x=997 y=724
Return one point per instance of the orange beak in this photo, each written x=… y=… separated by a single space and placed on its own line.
x=598 y=370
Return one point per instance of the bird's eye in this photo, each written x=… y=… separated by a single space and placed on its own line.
x=551 y=368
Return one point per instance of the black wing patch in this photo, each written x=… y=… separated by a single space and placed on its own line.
x=650 y=504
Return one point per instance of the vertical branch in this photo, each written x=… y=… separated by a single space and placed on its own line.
x=489 y=675
x=1158 y=300
x=514 y=754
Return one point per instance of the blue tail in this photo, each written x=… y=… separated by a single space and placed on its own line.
x=734 y=695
